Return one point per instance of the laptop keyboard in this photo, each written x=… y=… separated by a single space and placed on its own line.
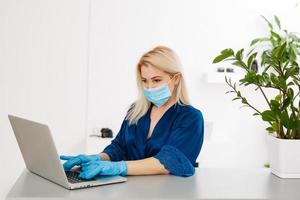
x=73 y=177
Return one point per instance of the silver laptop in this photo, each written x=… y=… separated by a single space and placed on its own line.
x=41 y=157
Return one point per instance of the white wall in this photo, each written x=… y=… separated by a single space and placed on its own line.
x=43 y=59
x=121 y=31
x=45 y=52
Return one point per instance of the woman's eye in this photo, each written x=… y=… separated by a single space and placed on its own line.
x=156 y=81
x=144 y=81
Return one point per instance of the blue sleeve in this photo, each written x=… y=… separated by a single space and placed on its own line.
x=180 y=152
x=117 y=150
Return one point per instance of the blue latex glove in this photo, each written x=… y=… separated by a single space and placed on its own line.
x=78 y=160
x=91 y=169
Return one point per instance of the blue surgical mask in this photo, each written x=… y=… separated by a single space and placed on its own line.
x=159 y=95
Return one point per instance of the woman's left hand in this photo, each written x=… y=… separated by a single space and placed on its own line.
x=91 y=169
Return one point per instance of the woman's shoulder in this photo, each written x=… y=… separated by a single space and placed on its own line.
x=187 y=115
x=184 y=109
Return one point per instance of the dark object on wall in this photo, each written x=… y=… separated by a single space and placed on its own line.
x=220 y=69
x=230 y=70
x=106 y=133
x=254 y=66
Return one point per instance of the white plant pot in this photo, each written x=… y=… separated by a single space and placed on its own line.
x=284 y=157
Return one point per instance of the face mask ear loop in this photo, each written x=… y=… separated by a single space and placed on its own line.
x=171 y=78
x=176 y=85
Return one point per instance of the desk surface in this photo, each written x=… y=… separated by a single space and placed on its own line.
x=207 y=183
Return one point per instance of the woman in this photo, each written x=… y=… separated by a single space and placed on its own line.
x=161 y=133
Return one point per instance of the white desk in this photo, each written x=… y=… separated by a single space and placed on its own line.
x=205 y=184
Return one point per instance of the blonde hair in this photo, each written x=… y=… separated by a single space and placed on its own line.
x=165 y=59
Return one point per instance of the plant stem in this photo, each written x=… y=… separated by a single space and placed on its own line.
x=247 y=103
x=279 y=66
x=264 y=96
x=295 y=96
x=280 y=133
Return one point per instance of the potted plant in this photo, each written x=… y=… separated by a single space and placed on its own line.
x=278 y=55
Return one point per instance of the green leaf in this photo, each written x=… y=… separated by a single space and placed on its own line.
x=269 y=23
x=296 y=82
x=270 y=130
x=253 y=42
x=274 y=79
x=275 y=125
x=224 y=54
x=286 y=103
x=251 y=59
x=256 y=40
x=276 y=36
x=292 y=71
x=220 y=58
x=227 y=51
x=239 y=54
x=250 y=78
x=290 y=83
x=277 y=21
x=294 y=36
x=296 y=124
x=267 y=165
x=275 y=103
x=290 y=93
x=282 y=83
x=240 y=64
x=292 y=53
x=278 y=51
x=231 y=91
x=278 y=97
x=244 y=100
x=284 y=117
x=266 y=78
x=268 y=115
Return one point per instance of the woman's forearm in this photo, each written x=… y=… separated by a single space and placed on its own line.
x=148 y=166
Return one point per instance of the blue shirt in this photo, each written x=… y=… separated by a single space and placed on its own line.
x=176 y=139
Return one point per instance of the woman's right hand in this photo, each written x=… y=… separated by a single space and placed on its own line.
x=71 y=161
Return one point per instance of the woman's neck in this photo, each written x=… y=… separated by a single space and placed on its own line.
x=167 y=105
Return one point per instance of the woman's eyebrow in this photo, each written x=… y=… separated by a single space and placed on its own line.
x=153 y=77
